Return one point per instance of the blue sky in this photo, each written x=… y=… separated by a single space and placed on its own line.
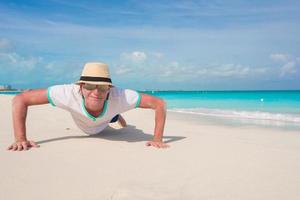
x=166 y=45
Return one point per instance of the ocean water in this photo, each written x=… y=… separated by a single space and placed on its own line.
x=10 y=92
x=275 y=108
x=267 y=108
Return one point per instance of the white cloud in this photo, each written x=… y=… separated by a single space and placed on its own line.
x=230 y=70
x=50 y=66
x=157 y=55
x=10 y=58
x=21 y=62
x=186 y=72
x=138 y=62
x=135 y=57
x=290 y=63
x=123 y=70
x=174 y=69
x=130 y=62
x=280 y=57
x=4 y=43
x=179 y=71
x=288 y=68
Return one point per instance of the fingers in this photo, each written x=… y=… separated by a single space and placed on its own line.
x=10 y=147
x=15 y=147
x=151 y=143
x=157 y=144
x=24 y=145
x=148 y=143
x=33 y=144
x=164 y=145
x=20 y=146
x=154 y=144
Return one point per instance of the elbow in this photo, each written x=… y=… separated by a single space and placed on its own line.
x=161 y=104
x=17 y=101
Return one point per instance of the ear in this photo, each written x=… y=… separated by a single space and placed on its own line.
x=80 y=87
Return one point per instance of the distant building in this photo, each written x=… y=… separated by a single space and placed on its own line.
x=5 y=87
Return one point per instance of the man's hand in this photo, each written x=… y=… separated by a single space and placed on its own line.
x=157 y=144
x=22 y=145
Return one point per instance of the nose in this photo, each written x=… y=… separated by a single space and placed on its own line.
x=96 y=91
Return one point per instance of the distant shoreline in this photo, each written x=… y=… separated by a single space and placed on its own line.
x=11 y=92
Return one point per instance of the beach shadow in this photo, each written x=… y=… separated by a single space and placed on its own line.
x=129 y=134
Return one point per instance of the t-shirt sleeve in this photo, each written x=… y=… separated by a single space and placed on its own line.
x=128 y=99
x=59 y=95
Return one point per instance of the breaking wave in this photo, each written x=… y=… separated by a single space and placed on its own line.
x=239 y=114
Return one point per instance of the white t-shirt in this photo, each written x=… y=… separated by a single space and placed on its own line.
x=69 y=98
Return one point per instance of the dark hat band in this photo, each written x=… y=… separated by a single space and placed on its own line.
x=96 y=79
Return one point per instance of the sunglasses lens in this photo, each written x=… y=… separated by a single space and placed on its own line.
x=89 y=87
x=101 y=88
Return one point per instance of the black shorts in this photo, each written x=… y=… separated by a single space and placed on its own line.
x=114 y=119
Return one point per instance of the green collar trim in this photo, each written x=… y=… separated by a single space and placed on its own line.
x=49 y=97
x=91 y=116
x=138 y=101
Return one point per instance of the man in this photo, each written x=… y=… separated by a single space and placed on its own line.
x=93 y=102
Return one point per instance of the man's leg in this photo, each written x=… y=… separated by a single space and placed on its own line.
x=122 y=121
x=118 y=122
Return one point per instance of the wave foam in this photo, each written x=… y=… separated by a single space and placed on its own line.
x=253 y=115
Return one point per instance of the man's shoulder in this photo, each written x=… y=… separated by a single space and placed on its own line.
x=117 y=92
x=70 y=86
x=125 y=99
x=65 y=89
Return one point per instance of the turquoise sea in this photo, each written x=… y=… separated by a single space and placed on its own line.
x=10 y=92
x=278 y=108
x=275 y=108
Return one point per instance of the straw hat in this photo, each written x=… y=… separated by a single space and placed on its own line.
x=95 y=73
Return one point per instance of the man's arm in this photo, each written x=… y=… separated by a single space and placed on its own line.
x=20 y=104
x=159 y=105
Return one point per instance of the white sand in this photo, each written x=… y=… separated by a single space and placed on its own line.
x=203 y=162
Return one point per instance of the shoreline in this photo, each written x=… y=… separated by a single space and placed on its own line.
x=227 y=121
x=237 y=122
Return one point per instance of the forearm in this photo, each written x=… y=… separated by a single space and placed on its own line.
x=19 y=112
x=160 y=118
x=160 y=107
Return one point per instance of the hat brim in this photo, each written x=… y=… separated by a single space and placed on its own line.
x=94 y=82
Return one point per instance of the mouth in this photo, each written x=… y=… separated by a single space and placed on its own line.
x=96 y=98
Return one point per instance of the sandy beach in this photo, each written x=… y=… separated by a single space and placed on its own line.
x=204 y=161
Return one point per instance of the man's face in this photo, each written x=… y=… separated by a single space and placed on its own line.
x=94 y=93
